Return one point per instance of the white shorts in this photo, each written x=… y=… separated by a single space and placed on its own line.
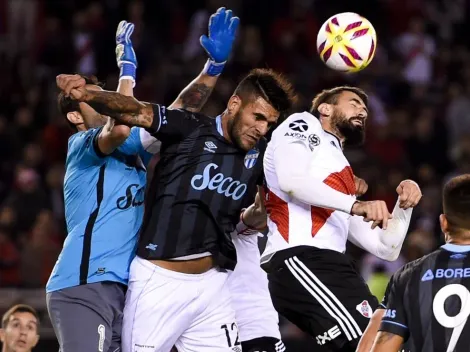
x=165 y=308
x=255 y=313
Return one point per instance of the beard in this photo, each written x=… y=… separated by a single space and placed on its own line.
x=354 y=135
x=235 y=131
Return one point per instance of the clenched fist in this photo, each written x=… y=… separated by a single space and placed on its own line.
x=375 y=211
x=361 y=186
x=409 y=194
x=72 y=85
x=255 y=216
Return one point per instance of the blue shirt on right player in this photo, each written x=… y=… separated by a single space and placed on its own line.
x=103 y=196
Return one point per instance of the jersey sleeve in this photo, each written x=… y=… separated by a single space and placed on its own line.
x=83 y=146
x=141 y=142
x=394 y=320
x=172 y=125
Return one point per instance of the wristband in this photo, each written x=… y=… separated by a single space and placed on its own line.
x=128 y=71
x=352 y=206
x=213 y=68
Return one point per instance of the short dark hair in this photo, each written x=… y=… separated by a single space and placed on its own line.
x=269 y=85
x=456 y=202
x=19 y=308
x=66 y=104
x=330 y=96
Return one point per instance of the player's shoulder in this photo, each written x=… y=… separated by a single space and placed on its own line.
x=297 y=124
x=405 y=273
x=82 y=138
x=301 y=120
x=77 y=136
x=194 y=117
x=299 y=127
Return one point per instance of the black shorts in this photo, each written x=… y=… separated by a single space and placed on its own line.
x=320 y=291
x=263 y=344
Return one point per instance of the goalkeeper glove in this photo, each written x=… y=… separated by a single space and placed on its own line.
x=218 y=44
x=125 y=54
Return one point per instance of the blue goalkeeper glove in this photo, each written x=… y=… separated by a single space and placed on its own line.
x=125 y=54
x=218 y=44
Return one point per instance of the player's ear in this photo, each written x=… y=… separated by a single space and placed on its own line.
x=75 y=117
x=234 y=105
x=325 y=109
x=444 y=224
x=2 y=335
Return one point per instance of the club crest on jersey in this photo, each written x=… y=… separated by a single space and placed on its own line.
x=250 y=158
x=365 y=309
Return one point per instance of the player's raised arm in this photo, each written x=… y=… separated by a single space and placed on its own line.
x=124 y=109
x=166 y=125
x=218 y=45
x=386 y=243
x=114 y=135
x=125 y=58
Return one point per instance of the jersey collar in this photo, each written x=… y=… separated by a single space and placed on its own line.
x=218 y=123
x=456 y=248
x=340 y=146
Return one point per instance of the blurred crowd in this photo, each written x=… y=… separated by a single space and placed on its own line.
x=417 y=83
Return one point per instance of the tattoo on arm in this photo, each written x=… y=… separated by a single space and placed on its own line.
x=195 y=96
x=125 y=109
x=384 y=337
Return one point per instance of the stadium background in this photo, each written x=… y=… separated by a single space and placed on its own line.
x=418 y=87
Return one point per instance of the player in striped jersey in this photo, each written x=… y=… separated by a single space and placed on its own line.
x=428 y=300
x=313 y=211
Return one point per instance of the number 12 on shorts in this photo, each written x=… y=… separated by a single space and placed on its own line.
x=457 y=322
x=230 y=330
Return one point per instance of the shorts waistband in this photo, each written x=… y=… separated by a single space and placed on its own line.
x=304 y=253
x=174 y=274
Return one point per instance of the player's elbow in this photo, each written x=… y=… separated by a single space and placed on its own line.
x=285 y=184
x=289 y=179
x=120 y=132
x=388 y=254
x=392 y=257
x=112 y=137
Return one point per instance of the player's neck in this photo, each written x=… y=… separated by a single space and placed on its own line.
x=459 y=241
x=327 y=127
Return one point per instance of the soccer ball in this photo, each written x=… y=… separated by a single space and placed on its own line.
x=346 y=42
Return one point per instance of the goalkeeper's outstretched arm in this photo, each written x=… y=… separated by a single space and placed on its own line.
x=218 y=45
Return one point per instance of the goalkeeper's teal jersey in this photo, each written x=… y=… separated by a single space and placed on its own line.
x=104 y=198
